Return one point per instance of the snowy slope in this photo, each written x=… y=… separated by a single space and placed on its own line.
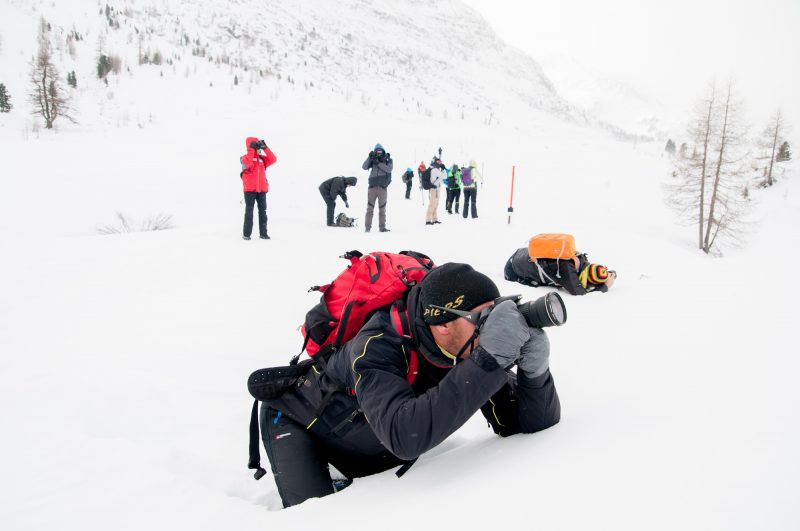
x=422 y=57
x=124 y=358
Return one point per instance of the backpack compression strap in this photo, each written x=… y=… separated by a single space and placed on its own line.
x=255 y=455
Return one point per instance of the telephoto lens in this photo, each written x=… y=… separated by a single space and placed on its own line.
x=544 y=311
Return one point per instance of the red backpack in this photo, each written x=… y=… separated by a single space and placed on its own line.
x=369 y=283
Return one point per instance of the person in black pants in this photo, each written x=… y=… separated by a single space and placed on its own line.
x=254 y=181
x=407 y=178
x=459 y=368
x=469 y=185
x=333 y=188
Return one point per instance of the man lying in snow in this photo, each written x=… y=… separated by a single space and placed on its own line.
x=383 y=399
x=576 y=275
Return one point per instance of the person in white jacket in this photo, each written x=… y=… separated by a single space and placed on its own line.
x=438 y=175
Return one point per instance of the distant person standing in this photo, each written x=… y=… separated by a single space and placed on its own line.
x=420 y=170
x=469 y=184
x=408 y=177
x=333 y=188
x=380 y=164
x=254 y=181
x=438 y=175
x=453 y=189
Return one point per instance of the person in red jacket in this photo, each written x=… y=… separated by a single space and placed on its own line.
x=254 y=180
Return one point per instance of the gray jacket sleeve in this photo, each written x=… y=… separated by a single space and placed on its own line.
x=366 y=164
x=406 y=424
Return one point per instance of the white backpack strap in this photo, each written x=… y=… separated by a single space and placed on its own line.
x=542 y=274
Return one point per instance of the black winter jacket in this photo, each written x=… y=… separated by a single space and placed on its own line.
x=408 y=419
x=557 y=273
x=337 y=186
x=380 y=170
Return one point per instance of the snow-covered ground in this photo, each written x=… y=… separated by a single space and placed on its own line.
x=125 y=357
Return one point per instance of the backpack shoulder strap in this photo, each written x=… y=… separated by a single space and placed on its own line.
x=400 y=322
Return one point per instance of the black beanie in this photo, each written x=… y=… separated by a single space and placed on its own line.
x=456 y=286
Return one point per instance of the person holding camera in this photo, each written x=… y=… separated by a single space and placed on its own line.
x=576 y=275
x=333 y=188
x=254 y=181
x=438 y=176
x=380 y=164
x=387 y=397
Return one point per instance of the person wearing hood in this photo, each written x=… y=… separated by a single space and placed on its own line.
x=453 y=189
x=387 y=397
x=576 y=275
x=469 y=185
x=380 y=164
x=333 y=188
x=408 y=178
x=254 y=181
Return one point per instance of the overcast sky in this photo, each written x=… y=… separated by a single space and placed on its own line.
x=670 y=48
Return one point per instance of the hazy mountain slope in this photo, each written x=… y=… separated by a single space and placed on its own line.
x=420 y=56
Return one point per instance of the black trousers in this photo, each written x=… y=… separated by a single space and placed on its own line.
x=331 y=206
x=408 y=189
x=453 y=195
x=250 y=199
x=299 y=457
x=471 y=194
x=298 y=467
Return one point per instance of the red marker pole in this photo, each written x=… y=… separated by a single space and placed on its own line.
x=511 y=200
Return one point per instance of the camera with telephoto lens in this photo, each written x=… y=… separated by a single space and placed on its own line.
x=548 y=310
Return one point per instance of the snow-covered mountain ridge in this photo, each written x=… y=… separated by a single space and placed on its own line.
x=437 y=59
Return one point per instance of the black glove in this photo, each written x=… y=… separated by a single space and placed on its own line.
x=503 y=333
x=346 y=204
x=371 y=155
x=254 y=144
x=388 y=157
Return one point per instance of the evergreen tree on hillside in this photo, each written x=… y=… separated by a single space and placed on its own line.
x=670 y=147
x=5 y=99
x=103 y=66
x=770 y=143
x=783 y=154
x=72 y=81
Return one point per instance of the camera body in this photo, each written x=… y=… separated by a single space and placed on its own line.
x=259 y=144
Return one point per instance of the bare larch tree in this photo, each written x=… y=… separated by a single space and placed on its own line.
x=710 y=187
x=687 y=195
x=46 y=96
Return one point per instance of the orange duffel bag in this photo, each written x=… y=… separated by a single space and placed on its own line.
x=555 y=246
